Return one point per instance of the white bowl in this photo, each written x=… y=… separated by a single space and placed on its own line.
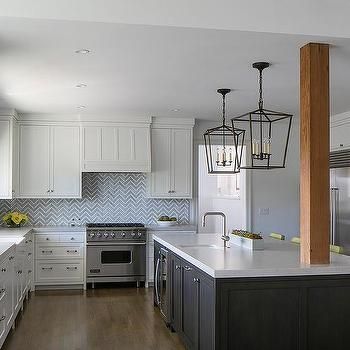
x=166 y=223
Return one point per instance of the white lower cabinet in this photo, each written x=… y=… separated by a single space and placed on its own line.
x=59 y=258
x=15 y=282
x=49 y=272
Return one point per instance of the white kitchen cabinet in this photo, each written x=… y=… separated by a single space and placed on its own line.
x=340 y=136
x=172 y=151
x=7 y=281
x=59 y=258
x=49 y=161
x=8 y=157
x=116 y=148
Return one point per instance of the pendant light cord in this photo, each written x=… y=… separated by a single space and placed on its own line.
x=261 y=101
x=223 y=109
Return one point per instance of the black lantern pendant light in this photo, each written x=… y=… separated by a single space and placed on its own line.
x=223 y=145
x=268 y=132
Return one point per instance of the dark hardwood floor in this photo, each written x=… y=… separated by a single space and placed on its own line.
x=100 y=319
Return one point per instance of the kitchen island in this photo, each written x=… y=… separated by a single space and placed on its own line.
x=235 y=298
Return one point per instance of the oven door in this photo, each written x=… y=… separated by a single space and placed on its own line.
x=116 y=260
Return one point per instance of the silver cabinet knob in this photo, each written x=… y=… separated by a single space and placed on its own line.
x=177 y=267
x=196 y=280
x=2 y=318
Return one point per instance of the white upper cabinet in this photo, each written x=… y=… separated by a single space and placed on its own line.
x=172 y=162
x=65 y=177
x=340 y=132
x=8 y=158
x=49 y=161
x=116 y=148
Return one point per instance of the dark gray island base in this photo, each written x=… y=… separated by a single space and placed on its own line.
x=256 y=313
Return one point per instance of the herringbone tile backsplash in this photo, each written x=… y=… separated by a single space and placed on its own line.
x=106 y=197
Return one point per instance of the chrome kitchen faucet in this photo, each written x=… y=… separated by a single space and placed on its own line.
x=224 y=236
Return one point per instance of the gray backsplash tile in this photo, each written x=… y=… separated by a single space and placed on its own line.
x=106 y=197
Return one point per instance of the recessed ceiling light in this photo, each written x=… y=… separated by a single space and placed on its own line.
x=81 y=107
x=176 y=110
x=80 y=85
x=83 y=51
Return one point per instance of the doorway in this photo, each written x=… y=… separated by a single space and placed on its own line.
x=226 y=193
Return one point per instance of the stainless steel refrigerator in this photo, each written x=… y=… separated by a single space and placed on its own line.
x=340 y=199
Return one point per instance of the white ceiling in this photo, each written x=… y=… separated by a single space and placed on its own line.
x=139 y=70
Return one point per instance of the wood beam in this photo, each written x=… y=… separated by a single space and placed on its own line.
x=314 y=154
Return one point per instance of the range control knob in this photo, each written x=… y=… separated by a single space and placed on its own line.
x=92 y=235
x=139 y=233
x=105 y=234
x=133 y=234
x=123 y=234
x=98 y=234
x=112 y=234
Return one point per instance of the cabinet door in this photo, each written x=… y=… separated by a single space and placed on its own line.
x=206 y=313
x=5 y=162
x=339 y=137
x=15 y=159
x=176 y=293
x=65 y=162
x=34 y=161
x=189 y=307
x=181 y=157
x=160 y=176
x=10 y=294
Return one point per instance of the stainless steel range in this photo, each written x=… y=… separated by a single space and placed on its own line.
x=116 y=252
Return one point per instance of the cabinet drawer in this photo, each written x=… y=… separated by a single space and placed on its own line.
x=47 y=238
x=72 y=238
x=63 y=272
x=47 y=251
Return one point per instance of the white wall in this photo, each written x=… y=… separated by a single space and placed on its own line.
x=277 y=190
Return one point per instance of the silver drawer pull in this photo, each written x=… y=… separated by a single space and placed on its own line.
x=72 y=268
x=47 y=251
x=46 y=268
x=72 y=251
x=177 y=267
x=3 y=270
x=187 y=268
x=2 y=318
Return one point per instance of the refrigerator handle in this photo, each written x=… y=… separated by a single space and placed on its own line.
x=334 y=213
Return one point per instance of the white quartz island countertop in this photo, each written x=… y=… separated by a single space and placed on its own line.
x=279 y=258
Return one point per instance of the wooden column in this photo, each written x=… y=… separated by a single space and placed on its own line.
x=314 y=154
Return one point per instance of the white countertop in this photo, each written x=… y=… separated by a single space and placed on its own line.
x=279 y=258
x=177 y=227
x=19 y=232
x=22 y=231
x=4 y=248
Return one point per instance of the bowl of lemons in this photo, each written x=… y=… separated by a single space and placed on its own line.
x=166 y=220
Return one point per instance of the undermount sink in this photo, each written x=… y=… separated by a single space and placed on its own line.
x=196 y=246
